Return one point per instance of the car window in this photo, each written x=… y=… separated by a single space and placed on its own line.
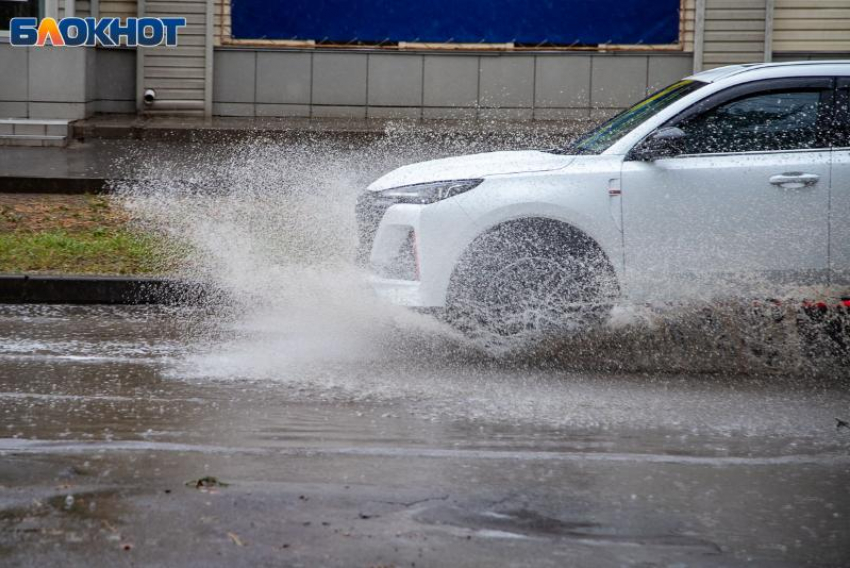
x=757 y=123
x=604 y=136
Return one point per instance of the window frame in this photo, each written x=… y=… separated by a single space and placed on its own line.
x=826 y=84
x=841 y=110
x=43 y=6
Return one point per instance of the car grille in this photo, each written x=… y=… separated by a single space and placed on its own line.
x=370 y=209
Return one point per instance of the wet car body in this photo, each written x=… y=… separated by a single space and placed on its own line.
x=734 y=179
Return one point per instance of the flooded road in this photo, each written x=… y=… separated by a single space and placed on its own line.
x=295 y=420
x=398 y=447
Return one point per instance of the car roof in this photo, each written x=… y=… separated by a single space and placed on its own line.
x=754 y=71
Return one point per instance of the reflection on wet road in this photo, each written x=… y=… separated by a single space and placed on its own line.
x=415 y=453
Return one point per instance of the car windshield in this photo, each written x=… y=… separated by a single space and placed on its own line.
x=604 y=136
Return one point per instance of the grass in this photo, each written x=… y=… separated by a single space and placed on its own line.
x=87 y=251
x=75 y=234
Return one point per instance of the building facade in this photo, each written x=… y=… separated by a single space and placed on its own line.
x=236 y=62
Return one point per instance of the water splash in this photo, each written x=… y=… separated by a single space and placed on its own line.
x=269 y=221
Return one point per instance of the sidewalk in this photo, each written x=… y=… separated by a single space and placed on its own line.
x=80 y=168
x=101 y=142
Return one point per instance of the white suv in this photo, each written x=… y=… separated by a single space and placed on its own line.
x=733 y=180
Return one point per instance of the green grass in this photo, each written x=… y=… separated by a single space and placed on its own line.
x=95 y=251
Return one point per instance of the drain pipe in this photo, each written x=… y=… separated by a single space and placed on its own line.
x=154 y=104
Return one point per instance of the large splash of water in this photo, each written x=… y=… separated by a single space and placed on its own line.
x=270 y=223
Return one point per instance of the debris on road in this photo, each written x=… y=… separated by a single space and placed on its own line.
x=207 y=482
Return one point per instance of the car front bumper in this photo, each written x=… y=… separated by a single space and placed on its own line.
x=426 y=239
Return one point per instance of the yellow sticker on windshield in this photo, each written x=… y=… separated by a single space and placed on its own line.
x=660 y=94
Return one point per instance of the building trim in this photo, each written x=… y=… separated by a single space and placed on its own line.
x=209 y=54
x=699 y=36
x=140 y=64
x=770 y=8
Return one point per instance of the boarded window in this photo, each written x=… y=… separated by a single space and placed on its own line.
x=522 y=22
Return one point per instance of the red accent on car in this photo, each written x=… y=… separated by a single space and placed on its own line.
x=416 y=255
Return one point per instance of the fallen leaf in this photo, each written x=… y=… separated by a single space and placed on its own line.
x=236 y=540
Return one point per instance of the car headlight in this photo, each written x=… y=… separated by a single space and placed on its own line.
x=425 y=193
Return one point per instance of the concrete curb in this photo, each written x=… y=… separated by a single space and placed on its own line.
x=25 y=289
x=208 y=135
x=132 y=127
x=64 y=186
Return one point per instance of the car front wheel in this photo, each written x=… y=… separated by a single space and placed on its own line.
x=531 y=278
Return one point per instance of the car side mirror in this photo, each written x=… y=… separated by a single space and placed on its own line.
x=664 y=143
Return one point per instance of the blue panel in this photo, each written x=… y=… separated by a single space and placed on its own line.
x=561 y=22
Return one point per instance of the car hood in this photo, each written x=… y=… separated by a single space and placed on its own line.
x=472 y=167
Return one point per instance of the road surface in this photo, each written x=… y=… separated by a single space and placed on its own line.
x=403 y=454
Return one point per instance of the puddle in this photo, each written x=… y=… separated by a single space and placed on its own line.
x=529 y=524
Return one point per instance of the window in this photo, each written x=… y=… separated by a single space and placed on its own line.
x=18 y=9
x=603 y=137
x=757 y=123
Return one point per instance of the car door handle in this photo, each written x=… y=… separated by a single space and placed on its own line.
x=794 y=180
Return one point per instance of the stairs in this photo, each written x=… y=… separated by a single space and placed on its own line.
x=34 y=132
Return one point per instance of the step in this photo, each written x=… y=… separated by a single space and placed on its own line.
x=34 y=141
x=34 y=132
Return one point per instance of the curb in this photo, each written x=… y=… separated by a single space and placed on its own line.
x=98 y=290
x=85 y=132
x=132 y=127
x=64 y=186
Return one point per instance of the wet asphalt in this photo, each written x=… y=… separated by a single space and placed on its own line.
x=426 y=456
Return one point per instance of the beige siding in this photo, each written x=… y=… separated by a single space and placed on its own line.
x=178 y=74
x=688 y=16
x=118 y=8
x=734 y=32
x=811 y=25
x=83 y=8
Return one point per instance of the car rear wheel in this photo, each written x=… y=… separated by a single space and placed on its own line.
x=531 y=278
